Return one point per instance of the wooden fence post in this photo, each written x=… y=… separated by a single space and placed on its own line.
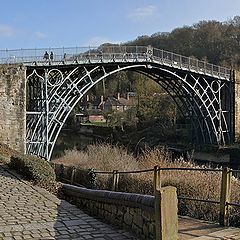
x=225 y=196
x=73 y=175
x=115 y=180
x=156 y=179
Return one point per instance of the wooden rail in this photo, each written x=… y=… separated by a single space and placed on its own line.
x=224 y=201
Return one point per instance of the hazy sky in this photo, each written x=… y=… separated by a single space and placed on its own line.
x=58 y=23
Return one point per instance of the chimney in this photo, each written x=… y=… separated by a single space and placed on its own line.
x=87 y=98
x=118 y=96
x=127 y=95
x=101 y=99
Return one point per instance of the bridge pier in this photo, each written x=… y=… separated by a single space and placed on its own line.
x=13 y=106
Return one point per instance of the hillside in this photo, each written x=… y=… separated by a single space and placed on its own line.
x=213 y=41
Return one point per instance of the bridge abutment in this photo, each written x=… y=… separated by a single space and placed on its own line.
x=237 y=105
x=13 y=106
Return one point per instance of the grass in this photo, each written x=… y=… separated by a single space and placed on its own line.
x=31 y=168
x=193 y=184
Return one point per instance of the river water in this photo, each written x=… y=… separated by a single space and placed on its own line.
x=69 y=140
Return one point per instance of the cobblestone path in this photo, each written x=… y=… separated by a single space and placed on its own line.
x=29 y=212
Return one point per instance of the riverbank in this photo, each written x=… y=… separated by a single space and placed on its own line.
x=137 y=142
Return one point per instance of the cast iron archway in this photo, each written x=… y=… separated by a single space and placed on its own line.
x=202 y=90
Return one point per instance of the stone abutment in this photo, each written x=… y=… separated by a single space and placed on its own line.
x=13 y=106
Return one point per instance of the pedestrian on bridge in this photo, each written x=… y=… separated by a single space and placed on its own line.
x=46 y=56
x=51 y=56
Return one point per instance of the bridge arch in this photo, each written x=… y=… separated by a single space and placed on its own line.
x=201 y=91
x=206 y=102
x=60 y=91
x=46 y=119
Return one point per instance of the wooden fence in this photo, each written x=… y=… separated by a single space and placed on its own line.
x=224 y=201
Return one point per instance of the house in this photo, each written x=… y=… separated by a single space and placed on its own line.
x=118 y=104
x=88 y=103
x=96 y=107
x=96 y=118
x=92 y=108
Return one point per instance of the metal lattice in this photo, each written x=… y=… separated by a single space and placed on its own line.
x=202 y=91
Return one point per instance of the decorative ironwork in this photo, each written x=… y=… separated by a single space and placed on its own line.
x=202 y=91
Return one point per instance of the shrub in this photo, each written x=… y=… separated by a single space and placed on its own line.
x=3 y=159
x=33 y=168
x=84 y=177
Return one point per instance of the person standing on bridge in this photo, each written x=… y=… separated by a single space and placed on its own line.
x=46 y=56
x=51 y=56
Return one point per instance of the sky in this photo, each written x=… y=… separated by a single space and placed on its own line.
x=70 y=23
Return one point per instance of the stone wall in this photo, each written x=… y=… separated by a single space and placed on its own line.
x=13 y=106
x=149 y=217
x=237 y=104
x=134 y=212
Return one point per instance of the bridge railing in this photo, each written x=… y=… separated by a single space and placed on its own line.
x=106 y=53
x=190 y=63
x=37 y=55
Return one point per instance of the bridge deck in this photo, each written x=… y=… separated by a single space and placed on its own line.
x=29 y=212
x=112 y=54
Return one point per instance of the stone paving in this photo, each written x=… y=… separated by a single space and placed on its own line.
x=29 y=212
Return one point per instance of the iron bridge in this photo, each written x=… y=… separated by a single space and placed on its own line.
x=203 y=92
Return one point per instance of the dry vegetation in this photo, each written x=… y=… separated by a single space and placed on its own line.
x=100 y=157
x=195 y=184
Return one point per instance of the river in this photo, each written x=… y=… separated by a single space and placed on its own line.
x=69 y=140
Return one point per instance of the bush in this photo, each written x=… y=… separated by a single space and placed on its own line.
x=33 y=168
x=84 y=177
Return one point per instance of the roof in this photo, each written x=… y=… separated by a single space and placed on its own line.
x=118 y=102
